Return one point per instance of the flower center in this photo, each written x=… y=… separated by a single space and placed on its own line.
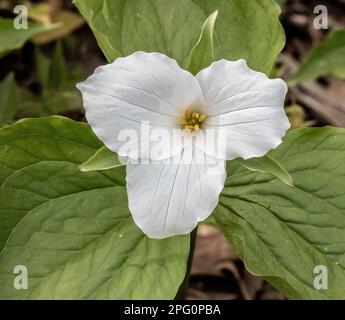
x=192 y=120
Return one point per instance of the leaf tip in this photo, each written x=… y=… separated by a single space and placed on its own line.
x=213 y=17
x=82 y=167
x=215 y=14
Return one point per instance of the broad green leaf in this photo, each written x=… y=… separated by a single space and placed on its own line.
x=103 y=159
x=247 y=29
x=268 y=165
x=9 y=99
x=328 y=58
x=244 y=29
x=11 y=38
x=19 y=140
x=124 y=26
x=201 y=55
x=283 y=233
x=72 y=229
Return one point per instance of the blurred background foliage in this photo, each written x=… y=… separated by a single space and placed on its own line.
x=40 y=66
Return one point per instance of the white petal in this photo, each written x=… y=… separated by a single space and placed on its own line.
x=246 y=105
x=141 y=87
x=170 y=198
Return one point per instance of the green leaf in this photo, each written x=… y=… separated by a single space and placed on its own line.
x=11 y=38
x=9 y=99
x=124 y=26
x=328 y=58
x=43 y=65
x=247 y=29
x=103 y=159
x=58 y=69
x=268 y=165
x=283 y=233
x=201 y=55
x=72 y=229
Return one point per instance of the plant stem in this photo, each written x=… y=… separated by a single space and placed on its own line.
x=181 y=293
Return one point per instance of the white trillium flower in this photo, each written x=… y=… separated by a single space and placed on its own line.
x=170 y=196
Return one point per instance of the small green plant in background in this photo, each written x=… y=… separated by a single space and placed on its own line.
x=55 y=76
x=58 y=94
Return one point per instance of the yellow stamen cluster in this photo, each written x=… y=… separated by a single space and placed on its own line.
x=192 y=120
